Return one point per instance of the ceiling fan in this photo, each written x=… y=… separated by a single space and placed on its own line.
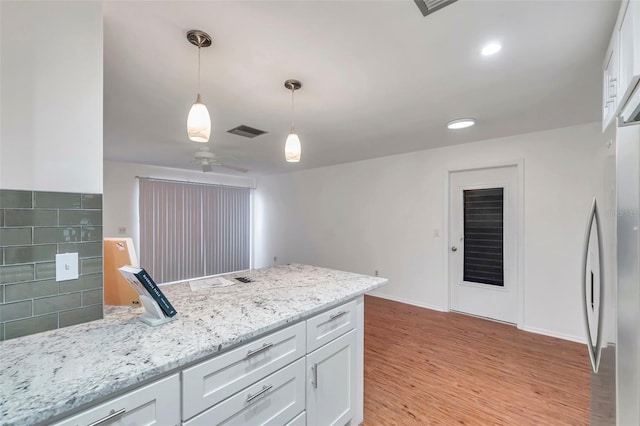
x=207 y=159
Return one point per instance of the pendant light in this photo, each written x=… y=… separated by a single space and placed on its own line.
x=198 y=120
x=292 y=145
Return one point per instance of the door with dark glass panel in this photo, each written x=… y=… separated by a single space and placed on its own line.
x=483 y=246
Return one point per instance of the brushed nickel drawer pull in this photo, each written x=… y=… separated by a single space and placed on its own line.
x=314 y=382
x=112 y=415
x=260 y=392
x=264 y=347
x=338 y=315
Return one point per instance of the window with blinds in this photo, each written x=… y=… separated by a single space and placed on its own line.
x=484 y=236
x=192 y=230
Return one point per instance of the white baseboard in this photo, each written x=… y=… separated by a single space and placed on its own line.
x=555 y=334
x=408 y=301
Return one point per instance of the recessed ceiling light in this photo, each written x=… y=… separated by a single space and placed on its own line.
x=461 y=123
x=491 y=49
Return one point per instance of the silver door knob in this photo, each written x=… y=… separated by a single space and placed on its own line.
x=454 y=248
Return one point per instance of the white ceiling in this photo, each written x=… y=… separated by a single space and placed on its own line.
x=378 y=77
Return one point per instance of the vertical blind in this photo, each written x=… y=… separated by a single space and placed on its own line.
x=193 y=230
x=483 y=236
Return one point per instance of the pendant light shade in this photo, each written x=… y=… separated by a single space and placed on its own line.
x=292 y=147
x=199 y=122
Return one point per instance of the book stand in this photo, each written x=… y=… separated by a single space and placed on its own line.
x=153 y=315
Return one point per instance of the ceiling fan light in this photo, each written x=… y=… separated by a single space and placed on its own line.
x=199 y=122
x=292 y=148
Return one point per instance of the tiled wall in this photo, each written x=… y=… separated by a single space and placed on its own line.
x=34 y=226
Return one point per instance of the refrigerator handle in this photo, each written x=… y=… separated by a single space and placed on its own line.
x=593 y=347
x=601 y=295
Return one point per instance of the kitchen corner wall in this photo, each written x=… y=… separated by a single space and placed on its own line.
x=50 y=162
x=34 y=226
x=387 y=214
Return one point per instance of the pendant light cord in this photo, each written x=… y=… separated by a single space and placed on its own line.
x=293 y=91
x=199 y=70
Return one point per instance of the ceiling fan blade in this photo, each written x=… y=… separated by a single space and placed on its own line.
x=206 y=168
x=236 y=168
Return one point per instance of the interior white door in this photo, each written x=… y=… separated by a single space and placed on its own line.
x=483 y=242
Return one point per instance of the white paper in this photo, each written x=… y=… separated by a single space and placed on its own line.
x=209 y=283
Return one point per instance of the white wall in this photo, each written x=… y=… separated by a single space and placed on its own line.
x=120 y=198
x=381 y=214
x=51 y=100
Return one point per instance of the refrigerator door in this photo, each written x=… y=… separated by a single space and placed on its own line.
x=628 y=254
x=592 y=285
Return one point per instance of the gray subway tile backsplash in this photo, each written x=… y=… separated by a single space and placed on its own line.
x=92 y=201
x=15 y=236
x=63 y=234
x=84 y=250
x=24 y=217
x=16 y=273
x=92 y=233
x=13 y=199
x=57 y=200
x=63 y=302
x=78 y=316
x=34 y=227
x=29 y=254
x=30 y=290
x=91 y=266
x=80 y=217
x=28 y=326
x=14 y=311
x=45 y=270
x=92 y=297
x=85 y=282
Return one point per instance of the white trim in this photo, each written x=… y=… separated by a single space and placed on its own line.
x=519 y=287
x=555 y=334
x=408 y=302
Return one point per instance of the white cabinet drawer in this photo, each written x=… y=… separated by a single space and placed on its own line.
x=210 y=382
x=272 y=401
x=299 y=420
x=326 y=326
x=157 y=404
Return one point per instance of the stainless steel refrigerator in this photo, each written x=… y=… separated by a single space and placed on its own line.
x=611 y=286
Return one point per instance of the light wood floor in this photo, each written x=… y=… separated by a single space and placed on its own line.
x=425 y=367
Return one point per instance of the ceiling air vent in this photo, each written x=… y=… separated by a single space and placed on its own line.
x=246 y=131
x=427 y=7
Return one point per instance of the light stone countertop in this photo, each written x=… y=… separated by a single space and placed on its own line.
x=51 y=373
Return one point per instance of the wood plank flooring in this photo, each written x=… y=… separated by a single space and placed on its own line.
x=424 y=367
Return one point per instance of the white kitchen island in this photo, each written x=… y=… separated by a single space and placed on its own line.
x=285 y=344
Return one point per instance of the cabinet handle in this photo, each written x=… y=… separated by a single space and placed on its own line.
x=338 y=315
x=260 y=392
x=260 y=349
x=314 y=382
x=112 y=415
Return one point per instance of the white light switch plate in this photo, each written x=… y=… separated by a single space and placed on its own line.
x=66 y=266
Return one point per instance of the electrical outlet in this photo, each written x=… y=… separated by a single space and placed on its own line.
x=122 y=230
x=66 y=266
x=275 y=259
x=376 y=273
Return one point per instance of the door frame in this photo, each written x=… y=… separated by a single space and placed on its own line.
x=519 y=226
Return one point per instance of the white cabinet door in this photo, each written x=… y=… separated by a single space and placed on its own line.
x=331 y=382
x=629 y=48
x=274 y=400
x=156 y=404
x=610 y=83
